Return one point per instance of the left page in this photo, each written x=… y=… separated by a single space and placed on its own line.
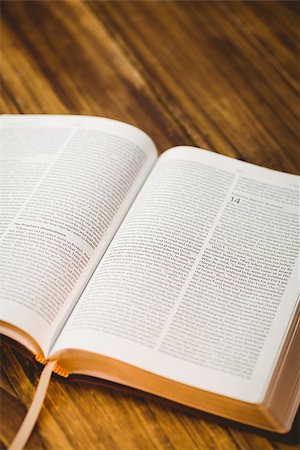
x=66 y=183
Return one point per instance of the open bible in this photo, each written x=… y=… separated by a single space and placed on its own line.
x=176 y=275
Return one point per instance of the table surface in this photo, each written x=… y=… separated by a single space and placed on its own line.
x=218 y=75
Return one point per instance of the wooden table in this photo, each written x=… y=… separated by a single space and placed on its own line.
x=220 y=75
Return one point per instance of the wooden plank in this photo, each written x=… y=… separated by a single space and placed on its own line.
x=50 y=67
x=218 y=75
x=213 y=74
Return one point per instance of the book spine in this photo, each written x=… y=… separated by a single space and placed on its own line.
x=57 y=368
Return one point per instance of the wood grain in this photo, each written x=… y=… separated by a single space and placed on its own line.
x=221 y=75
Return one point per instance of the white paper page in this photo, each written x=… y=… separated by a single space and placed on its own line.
x=200 y=282
x=67 y=182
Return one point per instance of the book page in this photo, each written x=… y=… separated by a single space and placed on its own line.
x=66 y=184
x=200 y=282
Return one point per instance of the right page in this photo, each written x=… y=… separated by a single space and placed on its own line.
x=200 y=283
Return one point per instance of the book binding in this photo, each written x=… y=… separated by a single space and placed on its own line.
x=56 y=369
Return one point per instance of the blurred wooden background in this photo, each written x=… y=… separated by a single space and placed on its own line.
x=220 y=75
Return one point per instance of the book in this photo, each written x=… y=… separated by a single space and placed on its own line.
x=177 y=275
